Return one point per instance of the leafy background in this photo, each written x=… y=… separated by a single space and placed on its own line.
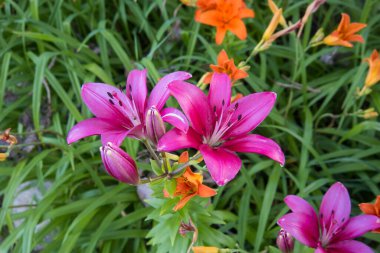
x=49 y=48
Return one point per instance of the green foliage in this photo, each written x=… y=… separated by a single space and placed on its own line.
x=48 y=49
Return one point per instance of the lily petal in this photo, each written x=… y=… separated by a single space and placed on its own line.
x=300 y=227
x=176 y=118
x=250 y=111
x=194 y=104
x=320 y=250
x=205 y=191
x=299 y=205
x=136 y=88
x=103 y=101
x=160 y=92
x=258 y=144
x=219 y=96
x=358 y=226
x=176 y=139
x=335 y=205
x=115 y=137
x=222 y=163
x=94 y=126
x=349 y=247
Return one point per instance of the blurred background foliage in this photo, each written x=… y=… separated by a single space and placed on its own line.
x=48 y=49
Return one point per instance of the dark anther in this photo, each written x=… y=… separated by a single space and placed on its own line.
x=120 y=103
x=109 y=94
x=239 y=117
x=236 y=105
x=223 y=102
x=214 y=108
x=111 y=101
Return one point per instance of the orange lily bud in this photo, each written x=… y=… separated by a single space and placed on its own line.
x=3 y=157
x=272 y=25
x=373 y=75
x=202 y=249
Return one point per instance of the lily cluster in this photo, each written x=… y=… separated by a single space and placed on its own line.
x=213 y=125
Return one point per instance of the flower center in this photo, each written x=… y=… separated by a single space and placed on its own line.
x=330 y=229
x=128 y=107
x=223 y=123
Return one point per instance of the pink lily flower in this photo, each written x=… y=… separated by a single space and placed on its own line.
x=219 y=128
x=332 y=231
x=120 y=115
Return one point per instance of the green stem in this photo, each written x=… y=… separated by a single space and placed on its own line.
x=152 y=153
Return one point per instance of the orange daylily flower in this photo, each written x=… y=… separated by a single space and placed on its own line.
x=226 y=66
x=202 y=249
x=189 y=185
x=373 y=75
x=225 y=15
x=345 y=33
x=372 y=209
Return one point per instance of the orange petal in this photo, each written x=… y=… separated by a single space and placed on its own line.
x=355 y=27
x=344 y=22
x=356 y=38
x=220 y=34
x=237 y=27
x=222 y=57
x=209 y=18
x=207 y=78
x=246 y=13
x=367 y=208
x=240 y=74
x=205 y=191
x=183 y=201
x=184 y=157
x=201 y=249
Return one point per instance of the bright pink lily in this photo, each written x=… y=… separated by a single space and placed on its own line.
x=333 y=230
x=219 y=129
x=119 y=114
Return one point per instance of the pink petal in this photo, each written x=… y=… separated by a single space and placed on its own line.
x=136 y=88
x=160 y=92
x=103 y=101
x=219 y=96
x=94 y=126
x=302 y=227
x=358 y=226
x=335 y=205
x=320 y=250
x=250 y=111
x=114 y=137
x=299 y=205
x=349 y=247
x=176 y=139
x=258 y=144
x=222 y=164
x=176 y=118
x=194 y=104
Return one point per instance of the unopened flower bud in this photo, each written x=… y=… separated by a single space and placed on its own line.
x=370 y=113
x=155 y=127
x=202 y=249
x=285 y=242
x=3 y=157
x=192 y=3
x=119 y=164
x=317 y=38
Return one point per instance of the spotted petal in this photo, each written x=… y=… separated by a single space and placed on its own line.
x=136 y=88
x=219 y=95
x=349 y=247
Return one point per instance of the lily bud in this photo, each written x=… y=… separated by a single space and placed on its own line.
x=119 y=164
x=155 y=127
x=285 y=242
